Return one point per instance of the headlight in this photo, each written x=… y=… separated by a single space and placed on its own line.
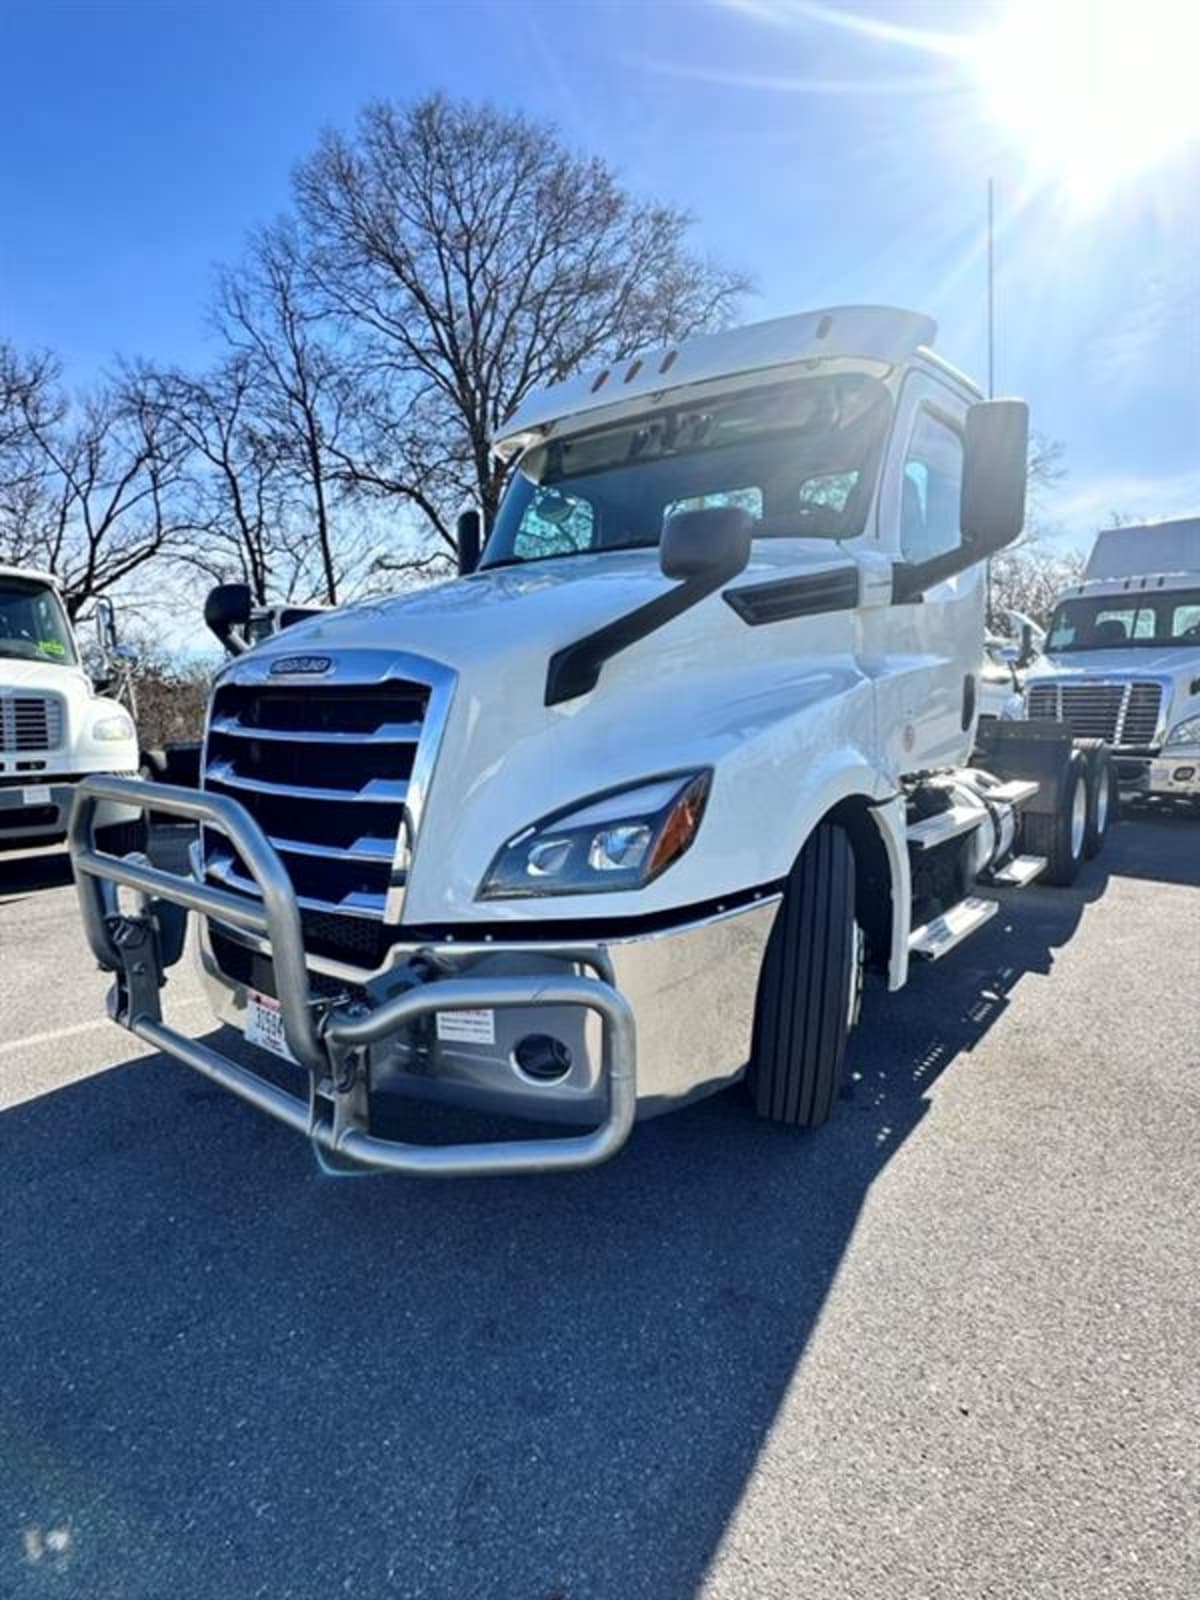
x=614 y=841
x=110 y=729
x=1184 y=732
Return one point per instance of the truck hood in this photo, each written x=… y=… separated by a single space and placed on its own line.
x=18 y=673
x=704 y=692
x=518 y=614
x=1172 y=661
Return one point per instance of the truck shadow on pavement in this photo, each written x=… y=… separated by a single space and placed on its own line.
x=226 y=1375
x=25 y=872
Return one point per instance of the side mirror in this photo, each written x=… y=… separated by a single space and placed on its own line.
x=711 y=542
x=992 y=501
x=1028 y=650
x=227 y=607
x=470 y=540
x=996 y=452
x=106 y=627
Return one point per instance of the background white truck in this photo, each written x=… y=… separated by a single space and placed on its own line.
x=1122 y=657
x=55 y=726
x=622 y=816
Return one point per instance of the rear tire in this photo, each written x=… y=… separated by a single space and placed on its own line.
x=808 y=987
x=1060 y=836
x=1102 y=795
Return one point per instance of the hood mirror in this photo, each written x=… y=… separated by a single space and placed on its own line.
x=709 y=543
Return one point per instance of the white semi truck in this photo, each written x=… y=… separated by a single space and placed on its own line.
x=621 y=816
x=55 y=726
x=1122 y=657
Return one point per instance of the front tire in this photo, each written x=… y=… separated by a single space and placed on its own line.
x=808 y=987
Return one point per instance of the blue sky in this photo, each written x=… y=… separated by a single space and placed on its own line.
x=838 y=153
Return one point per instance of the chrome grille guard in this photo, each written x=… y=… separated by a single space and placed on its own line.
x=329 y=1039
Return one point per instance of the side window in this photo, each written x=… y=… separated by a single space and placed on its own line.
x=827 y=491
x=555 y=524
x=749 y=498
x=931 y=494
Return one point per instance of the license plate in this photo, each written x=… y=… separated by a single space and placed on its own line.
x=38 y=794
x=264 y=1025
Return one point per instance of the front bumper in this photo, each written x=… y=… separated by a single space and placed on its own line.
x=1171 y=774
x=648 y=1021
x=33 y=810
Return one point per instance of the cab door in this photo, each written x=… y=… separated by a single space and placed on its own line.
x=925 y=654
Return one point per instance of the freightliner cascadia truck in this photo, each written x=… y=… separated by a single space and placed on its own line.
x=1122 y=658
x=623 y=815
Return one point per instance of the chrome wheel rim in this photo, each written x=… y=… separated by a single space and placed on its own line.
x=1102 y=804
x=1078 y=817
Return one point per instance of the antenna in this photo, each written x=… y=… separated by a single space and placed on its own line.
x=991 y=291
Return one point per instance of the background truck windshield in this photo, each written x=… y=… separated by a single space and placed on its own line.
x=800 y=457
x=1116 y=622
x=33 y=624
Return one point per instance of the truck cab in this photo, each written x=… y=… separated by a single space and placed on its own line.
x=55 y=726
x=1122 y=657
x=622 y=816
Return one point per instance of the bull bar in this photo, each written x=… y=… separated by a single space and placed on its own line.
x=327 y=1038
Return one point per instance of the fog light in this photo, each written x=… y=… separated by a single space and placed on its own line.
x=1184 y=774
x=542 y=1058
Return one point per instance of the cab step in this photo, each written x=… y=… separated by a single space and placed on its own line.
x=1019 y=872
x=938 y=937
x=943 y=825
x=1014 y=792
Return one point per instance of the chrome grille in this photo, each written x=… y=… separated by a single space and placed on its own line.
x=30 y=722
x=1139 y=727
x=334 y=773
x=1124 y=715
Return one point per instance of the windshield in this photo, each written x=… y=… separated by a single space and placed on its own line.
x=1117 y=623
x=33 y=624
x=800 y=457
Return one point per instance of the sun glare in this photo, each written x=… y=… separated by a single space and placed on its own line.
x=1095 y=92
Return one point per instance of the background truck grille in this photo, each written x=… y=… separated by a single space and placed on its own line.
x=30 y=722
x=326 y=770
x=1125 y=715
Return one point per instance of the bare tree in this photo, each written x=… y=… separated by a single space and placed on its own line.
x=1029 y=575
x=469 y=257
x=87 y=491
x=298 y=390
x=232 y=482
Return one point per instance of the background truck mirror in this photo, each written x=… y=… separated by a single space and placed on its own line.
x=106 y=627
x=470 y=540
x=994 y=473
x=227 y=607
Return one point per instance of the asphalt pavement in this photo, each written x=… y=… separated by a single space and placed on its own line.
x=945 y=1347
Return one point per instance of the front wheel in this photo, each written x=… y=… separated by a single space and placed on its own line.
x=809 y=987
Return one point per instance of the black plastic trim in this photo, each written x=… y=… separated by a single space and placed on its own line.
x=804 y=596
x=575 y=669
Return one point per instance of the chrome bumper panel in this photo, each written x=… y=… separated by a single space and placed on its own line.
x=649 y=1021
x=22 y=820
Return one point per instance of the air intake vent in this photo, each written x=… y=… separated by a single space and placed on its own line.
x=30 y=722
